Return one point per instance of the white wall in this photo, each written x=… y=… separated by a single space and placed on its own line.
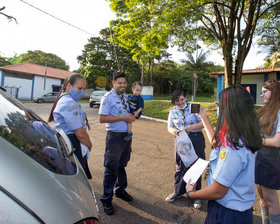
x=39 y=85
x=24 y=85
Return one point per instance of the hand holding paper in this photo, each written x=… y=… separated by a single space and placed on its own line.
x=195 y=171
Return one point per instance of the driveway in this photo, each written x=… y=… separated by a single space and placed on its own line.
x=150 y=175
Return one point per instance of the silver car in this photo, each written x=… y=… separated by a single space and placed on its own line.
x=48 y=97
x=95 y=97
x=41 y=181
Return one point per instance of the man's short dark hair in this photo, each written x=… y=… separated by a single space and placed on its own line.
x=117 y=75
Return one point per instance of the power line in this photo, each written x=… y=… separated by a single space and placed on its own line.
x=56 y=17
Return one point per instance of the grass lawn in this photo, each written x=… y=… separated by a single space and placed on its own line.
x=160 y=109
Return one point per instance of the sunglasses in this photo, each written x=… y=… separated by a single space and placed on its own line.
x=264 y=92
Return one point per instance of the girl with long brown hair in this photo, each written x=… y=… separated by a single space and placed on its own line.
x=267 y=173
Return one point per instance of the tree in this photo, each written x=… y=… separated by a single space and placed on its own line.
x=98 y=59
x=269 y=40
x=196 y=65
x=10 y=18
x=41 y=58
x=4 y=61
x=228 y=25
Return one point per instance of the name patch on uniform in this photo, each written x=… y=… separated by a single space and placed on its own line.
x=223 y=154
x=72 y=108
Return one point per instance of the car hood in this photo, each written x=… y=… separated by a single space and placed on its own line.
x=53 y=197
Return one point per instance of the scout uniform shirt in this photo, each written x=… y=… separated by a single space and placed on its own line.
x=68 y=115
x=234 y=168
x=175 y=118
x=111 y=104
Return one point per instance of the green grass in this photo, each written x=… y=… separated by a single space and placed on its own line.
x=160 y=109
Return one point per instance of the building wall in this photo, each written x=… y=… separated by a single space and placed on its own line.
x=24 y=85
x=254 y=79
x=39 y=85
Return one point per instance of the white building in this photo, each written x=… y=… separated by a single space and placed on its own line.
x=26 y=81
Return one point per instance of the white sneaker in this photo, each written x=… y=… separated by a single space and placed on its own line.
x=171 y=197
x=197 y=204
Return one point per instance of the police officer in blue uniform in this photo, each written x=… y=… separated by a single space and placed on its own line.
x=68 y=115
x=230 y=181
x=180 y=118
x=114 y=111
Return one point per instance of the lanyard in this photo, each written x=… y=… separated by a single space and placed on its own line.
x=124 y=104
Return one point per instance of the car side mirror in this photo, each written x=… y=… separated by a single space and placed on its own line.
x=65 y=142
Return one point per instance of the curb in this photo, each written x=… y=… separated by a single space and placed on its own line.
x=154 y=119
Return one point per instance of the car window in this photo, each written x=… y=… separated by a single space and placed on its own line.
x=33 y=137
x=98 y=93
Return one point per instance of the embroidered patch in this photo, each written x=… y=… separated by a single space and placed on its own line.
x=223 y=154
x=76 y=113
x=105 y=101
x=120 y=112
x=72 y=108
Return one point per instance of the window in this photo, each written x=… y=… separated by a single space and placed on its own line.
x=32 y=136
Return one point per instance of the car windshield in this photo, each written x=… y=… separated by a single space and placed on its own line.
x=25 y=130
x=98 y=93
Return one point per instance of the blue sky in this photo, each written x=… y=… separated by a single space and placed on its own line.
x=38 y=31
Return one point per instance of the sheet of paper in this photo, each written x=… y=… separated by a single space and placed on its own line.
x=195 y=171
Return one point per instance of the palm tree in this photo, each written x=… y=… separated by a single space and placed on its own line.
x=196 y=65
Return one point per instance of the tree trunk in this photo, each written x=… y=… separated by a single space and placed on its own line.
x=152 y=71
x=149 y=72
x=142 y=74
x=228 y=69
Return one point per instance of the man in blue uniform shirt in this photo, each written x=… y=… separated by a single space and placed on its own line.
x=114 y=111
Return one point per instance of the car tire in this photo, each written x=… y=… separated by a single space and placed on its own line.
x=40 y=101
x=91 y=105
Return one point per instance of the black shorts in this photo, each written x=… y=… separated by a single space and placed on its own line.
x=267 y=173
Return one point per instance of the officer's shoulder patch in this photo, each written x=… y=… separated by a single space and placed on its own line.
x=104 y=101
x=223 y=154
x=72 y=108
x=76 y=113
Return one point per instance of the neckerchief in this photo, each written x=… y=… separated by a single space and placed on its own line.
x=123 y=102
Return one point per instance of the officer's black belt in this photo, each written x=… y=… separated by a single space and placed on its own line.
x=117 y=133
x=195 y=133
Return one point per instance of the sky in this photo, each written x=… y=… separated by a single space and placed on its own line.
x=35 y=30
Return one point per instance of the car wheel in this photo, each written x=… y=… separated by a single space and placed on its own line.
x=40 y=101
x=91 y=105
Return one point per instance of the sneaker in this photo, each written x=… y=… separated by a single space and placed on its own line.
x=124 y=196
x=197 y=204
x=108 y=208
x=127 y=137
x=171 y=197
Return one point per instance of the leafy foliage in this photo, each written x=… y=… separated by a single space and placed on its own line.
x=41 y=58
x=98 y=59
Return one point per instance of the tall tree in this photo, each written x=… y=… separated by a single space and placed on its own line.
x=196 y=64
x=269 y=38
x=98 y=59
x=42 y=58
x=227 y=25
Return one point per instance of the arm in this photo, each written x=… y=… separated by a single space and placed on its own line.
x=172 y=130
x=206 y=123
x=194 y=127
x=274 y=142
x=83 y=137
x=212 y=192
x=111 y=119
x=138 y=111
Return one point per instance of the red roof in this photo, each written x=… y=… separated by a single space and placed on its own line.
x=33 y=69
x=251 y=71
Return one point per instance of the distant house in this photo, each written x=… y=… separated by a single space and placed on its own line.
x=253 y=78
x=26 y=81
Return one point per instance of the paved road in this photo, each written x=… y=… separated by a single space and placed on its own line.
x=150 y=175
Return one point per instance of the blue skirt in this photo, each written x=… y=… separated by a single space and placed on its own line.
x=222 y=215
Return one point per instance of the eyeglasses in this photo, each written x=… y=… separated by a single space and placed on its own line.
x=264 y=92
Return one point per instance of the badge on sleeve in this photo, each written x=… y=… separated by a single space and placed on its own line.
x=223 y=154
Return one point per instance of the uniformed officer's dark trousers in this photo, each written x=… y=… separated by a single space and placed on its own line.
x=78 y=153
x=116 y=157
x=198 y=142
